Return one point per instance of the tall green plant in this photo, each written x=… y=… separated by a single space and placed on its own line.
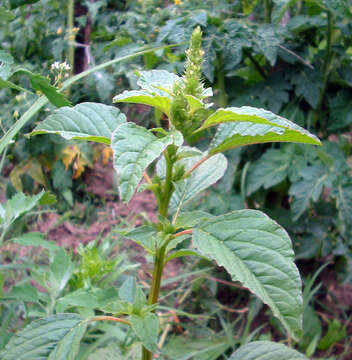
x=254 y=249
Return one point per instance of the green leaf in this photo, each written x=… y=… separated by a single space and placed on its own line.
x=266 y=350
x=280 y=8
x=309 y=85
x=85 y=121
x=78 y=298
x=134 y=149
x=146 y=328
x=39 y=338
x=42 y=84
x=144 y=236
x=68 y=347
x=157 y=87
x=335 y=333
x=244 y=132
x=180 y=253
x=36 y=239
x=191 y=219
x=128 y=290
x=252 y=126
x=23 y=293
x=17 y=206
x=162 y=103
x=160 y=82
x=269 y=170
x=6 y=15
x=267 y=40
x=309 y=187
x=61 y=269
x=256 y=251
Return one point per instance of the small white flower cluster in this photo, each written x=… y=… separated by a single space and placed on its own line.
x=59 y=72
x=60 y=66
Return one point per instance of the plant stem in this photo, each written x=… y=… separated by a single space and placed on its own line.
x=256 y=64
x=161 y=252
x=326 y=65
x=221 y=81
x=267 y=11
x=71 y=46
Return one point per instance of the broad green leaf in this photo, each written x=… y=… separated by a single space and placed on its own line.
x=144 y=236
x=39 y=338
x=157 y=87
x=160 y=82
x=308 y=188
x=256 y=251
x=18 y=205
x=85 y=121
x=42 y=84
x=6 y=15
x=61 y=269
x=267 y=40
x=23 y=293
x=134 y=149
x=269 y=170
x=308 y=84
x=191 y=219
x=162 y=103
x=36 y=239
x=68 y=347
x=197 y=348
x=78 y=298
x=229 y=136
x=128 y=290
x=266 y=350
x=180 y=253
x=146 y=328
x=251 y=126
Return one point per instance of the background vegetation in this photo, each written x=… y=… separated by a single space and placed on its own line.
x=291 y=57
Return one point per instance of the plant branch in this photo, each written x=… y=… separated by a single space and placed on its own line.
x=256 y=64
x=198 y=163
x=110 y=318
x=147 y=178
x=184 y=232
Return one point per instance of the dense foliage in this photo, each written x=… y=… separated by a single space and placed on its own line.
x=290 y=57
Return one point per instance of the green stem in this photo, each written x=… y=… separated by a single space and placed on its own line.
x=256 y=64
x=71 y=45
x=160 y=253
x=221 y=81
x=326 y=65
x=267 y=11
